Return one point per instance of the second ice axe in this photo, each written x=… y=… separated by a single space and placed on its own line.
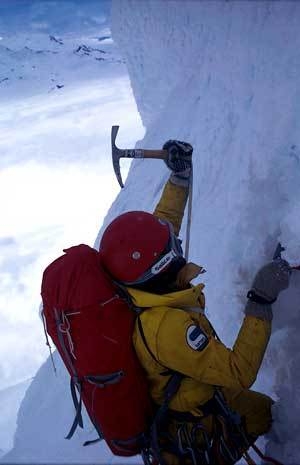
x=130 y=153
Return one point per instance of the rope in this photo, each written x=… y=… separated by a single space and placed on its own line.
x=64 y=327
x=47 y=342
x=189 y=217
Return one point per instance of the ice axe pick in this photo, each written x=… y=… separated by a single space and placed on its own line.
x=277 y=254
x=130 y=153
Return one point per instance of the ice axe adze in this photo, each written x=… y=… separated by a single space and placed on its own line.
x=130 y=153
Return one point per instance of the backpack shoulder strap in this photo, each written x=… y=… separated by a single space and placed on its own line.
x=173 y=383
x=141 y=330
x=124 y=294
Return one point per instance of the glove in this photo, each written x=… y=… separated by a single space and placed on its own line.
x=179 y=161
x=270 y=280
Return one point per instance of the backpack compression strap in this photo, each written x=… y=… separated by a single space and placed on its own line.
x=74 y=382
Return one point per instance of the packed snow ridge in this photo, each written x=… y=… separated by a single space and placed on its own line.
x=225 y=77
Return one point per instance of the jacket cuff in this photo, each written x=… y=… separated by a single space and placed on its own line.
x=263 y=312
x=179 y=180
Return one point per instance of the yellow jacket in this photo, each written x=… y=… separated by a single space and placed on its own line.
x=169 y=322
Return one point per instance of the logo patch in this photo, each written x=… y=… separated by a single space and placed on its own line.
x=196 y=338
x=163 y=262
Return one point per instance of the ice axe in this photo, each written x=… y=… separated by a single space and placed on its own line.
x=156 y=154
x=130 y=153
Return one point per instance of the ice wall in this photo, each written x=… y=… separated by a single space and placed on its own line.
x=225 y=77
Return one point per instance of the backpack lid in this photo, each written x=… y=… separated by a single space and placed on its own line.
x=72 y=280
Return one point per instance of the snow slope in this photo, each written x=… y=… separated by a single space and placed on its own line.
x=9 y=398
x=44 y=419
x=224 y=76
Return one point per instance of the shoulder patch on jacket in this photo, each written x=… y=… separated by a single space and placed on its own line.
x=196 y=338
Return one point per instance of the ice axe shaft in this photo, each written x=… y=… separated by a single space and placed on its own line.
x=130 y=153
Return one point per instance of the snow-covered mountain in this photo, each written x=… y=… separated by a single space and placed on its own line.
x=42 y=59
x=48 y=44
x=225 y=77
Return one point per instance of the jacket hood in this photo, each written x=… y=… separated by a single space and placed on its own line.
x=187 y=298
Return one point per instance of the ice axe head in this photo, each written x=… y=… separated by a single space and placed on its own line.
x=130 y=153
x=116 y=154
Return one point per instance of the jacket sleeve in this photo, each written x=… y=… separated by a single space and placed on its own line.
x=172 y=204
x=215 y=364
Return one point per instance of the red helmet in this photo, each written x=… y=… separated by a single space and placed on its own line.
x=137 y=246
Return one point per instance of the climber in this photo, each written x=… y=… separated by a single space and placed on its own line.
x=142 y=252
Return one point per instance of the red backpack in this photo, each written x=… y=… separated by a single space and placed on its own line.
x=91 y=325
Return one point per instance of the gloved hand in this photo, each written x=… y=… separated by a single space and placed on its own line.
x=269 y=281
x=179 y=161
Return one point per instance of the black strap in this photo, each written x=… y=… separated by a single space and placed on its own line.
x=59 y=321
x=141 y=330
x=170 y=390
x=78 y=407
x=124 y=445
x=214 y=331
x=258 y=299
x=172 y=386
x=167 y=371
x=74 y=381
x=103 y=380
x=124 y=295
